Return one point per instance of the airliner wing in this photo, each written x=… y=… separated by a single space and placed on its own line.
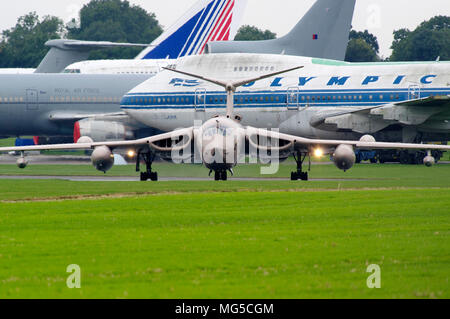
x=100 y=44
x=76 y=116
x=373 y=119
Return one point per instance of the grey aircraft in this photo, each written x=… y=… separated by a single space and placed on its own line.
x=53 y=104
x=322 y=33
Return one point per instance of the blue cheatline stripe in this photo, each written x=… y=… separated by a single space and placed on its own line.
x=207 y=26
x=261 y=106
x=440 y=90
x=241 y=100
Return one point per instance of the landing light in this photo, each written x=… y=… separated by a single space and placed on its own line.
x=318 y=152
x=131 y=153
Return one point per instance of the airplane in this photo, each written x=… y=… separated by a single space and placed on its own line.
x=196 y=26
x=322 y=33
x=207 y=20
x=58 y=105
x=97 y=128
x=397 y=101
x=51 y=104
x=222 y=141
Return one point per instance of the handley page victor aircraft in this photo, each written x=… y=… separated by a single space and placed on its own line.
x=221 y=142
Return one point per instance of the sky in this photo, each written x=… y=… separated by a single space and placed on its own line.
x=380 y=17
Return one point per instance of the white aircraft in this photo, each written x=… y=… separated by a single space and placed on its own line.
x=207 y=20
x=17 y=71
x=222 y=141
x=325 y=99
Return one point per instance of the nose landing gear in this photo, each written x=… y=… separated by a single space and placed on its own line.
x=220 y=175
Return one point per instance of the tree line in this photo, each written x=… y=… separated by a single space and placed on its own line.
x=116 y=20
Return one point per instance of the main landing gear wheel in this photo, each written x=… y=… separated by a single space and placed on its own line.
x=303 y=176
x=148 y=159
x=153 y=176
x=224 y=175
x=299 y=174
x=220 y=176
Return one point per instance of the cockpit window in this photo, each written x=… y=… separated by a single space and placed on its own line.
x=77 y=71
x=222 y=131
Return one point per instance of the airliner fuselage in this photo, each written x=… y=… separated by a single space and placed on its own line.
x=305 y=102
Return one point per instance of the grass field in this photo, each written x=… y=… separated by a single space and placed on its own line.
x=239 y=239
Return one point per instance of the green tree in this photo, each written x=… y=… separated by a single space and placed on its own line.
x=431 y=39
x=368 y=37
x=23 y=45
x=359 y=50
x=362 y=47
x=251 y=33
x=116 y=21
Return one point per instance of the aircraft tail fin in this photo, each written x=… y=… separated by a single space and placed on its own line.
x=64 y=52
x=324 y=30
x=322 y=33
x=207 y=20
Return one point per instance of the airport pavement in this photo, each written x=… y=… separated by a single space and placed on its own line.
x=161 y=179
x=48 y=159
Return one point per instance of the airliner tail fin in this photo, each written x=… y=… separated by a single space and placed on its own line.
x=207 y=20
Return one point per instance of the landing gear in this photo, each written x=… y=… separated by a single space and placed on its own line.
x=153 y=176
x=299 y=174
x=220 y=176
x=148 y=159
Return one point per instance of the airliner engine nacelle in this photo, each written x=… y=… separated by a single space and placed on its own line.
x=102 y=130
x=102 y=158
x=344 y=157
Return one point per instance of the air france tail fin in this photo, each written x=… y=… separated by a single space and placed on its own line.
x=322 y=33
x=207 y=20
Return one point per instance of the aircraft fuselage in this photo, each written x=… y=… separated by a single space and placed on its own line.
x=48 y=104
x=293 y=102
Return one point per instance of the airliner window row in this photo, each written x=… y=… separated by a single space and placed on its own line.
x=78 y=71
x=65 y=99
x=253 y=68
x=137 y=72
x=272 y=98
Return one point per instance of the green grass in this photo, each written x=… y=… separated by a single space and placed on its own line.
x=236 y=239
x=362 y=176
x=230 y=245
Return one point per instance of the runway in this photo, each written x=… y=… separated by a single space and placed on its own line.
x=48 y=159
x=161 y=179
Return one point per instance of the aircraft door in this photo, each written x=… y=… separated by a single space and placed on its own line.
x=200 y=100
x=32 y=100
x=414 y=92
x=292 y=98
